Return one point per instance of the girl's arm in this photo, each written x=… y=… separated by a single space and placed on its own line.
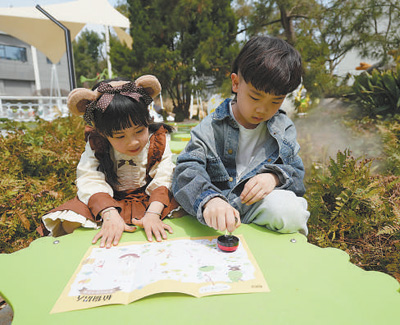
x=159 y=192
x=152 y=223
x=94 y=191
x=112 y=228
x=161 y=173
x=89 y=180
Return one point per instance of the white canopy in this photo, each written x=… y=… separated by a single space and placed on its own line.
x=33 y=27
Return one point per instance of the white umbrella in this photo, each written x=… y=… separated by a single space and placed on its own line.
x=33 y=27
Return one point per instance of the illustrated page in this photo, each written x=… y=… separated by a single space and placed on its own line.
x=130 y=271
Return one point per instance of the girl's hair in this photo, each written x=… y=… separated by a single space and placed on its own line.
x=120 y=114
x=270 y=64
x=123 y=112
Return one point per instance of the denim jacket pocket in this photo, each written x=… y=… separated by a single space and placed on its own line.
x=216 y=170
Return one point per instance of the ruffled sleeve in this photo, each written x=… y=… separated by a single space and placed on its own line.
x=90 y=181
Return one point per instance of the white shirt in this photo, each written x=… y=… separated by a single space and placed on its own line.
x=250 y=141
x=91 y=181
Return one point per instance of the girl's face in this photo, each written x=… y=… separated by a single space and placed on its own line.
x=130 y=141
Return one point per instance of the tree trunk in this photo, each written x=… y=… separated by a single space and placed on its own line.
x=287 y=25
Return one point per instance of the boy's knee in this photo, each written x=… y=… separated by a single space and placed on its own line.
x=284 y=212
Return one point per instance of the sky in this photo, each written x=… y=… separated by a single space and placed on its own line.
x=33 y=3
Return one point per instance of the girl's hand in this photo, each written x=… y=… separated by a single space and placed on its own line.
x=258 y=187
x=153 y=225
x=220 y=215
x=112 y=229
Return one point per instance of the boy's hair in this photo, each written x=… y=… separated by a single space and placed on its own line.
x=270 y=65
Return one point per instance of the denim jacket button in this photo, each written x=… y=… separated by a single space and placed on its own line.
x=231 y=179
x=230 y=151
x=269 y=160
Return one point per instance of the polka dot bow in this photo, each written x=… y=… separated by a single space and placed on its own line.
x=107 y=94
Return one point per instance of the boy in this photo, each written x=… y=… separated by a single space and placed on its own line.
x=242 y=163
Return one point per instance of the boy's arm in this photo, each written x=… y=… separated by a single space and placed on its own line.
x=220 y=215
x=290 y=170
x=192 y=186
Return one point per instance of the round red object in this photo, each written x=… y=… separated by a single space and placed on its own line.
x=228 y=243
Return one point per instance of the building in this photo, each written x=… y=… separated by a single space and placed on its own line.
x=17 y=70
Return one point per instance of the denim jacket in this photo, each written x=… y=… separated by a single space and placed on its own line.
x=207 y=166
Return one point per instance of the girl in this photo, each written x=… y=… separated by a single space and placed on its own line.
x=124 y=175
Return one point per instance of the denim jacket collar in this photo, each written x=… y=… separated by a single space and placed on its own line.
x=222 y=112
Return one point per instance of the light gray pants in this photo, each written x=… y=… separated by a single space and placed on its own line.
x=280 y=211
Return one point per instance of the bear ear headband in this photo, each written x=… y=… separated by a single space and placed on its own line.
x=83 y=101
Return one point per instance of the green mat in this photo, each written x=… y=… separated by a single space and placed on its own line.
x=309 y=285
x=177 y=146
x=180 y=136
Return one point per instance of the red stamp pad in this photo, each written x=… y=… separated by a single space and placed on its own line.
x=228 y=243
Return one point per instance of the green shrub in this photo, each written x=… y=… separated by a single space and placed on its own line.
x=355 y=211
x=37 y=174
x=378 y=93
x=390 y=131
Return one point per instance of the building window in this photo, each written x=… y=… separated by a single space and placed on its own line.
x=14 y=53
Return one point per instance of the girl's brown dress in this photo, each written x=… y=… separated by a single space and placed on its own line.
x=130 y=204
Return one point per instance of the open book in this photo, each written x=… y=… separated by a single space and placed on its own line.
x=130 y=271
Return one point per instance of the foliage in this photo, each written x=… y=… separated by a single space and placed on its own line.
x=181 y=42
x=324 y=32
x=390 y=130
x=88 y=57
x=297 y=22
x=357 y=212
x=36 y=175
x=301 y=100
x=378 y=92
x=376 y=25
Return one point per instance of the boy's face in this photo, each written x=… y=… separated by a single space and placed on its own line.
x=253 y=106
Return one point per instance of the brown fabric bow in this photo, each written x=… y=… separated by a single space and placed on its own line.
x=129 y=89
x=125 y=162
x=107 y=92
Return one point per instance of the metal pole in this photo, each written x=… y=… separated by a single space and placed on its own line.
x=36 y=70
x=70 y=58
x=109 y=68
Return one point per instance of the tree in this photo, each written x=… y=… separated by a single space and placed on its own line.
x=278 y=18
x=377 y=25
x=88 y=57
x=324 y=31
x=182 y=42
x=369 y=26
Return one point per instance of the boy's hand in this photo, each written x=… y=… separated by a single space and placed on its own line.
x=112 y=229
x=258 y=187
x=220 y=215
x=153 y=225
